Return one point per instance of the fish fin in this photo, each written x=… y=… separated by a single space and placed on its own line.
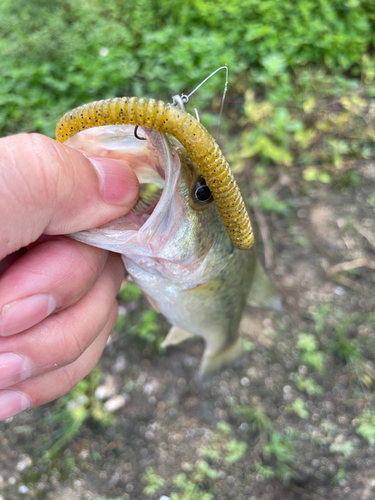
x=208 y=289
x=152 y=302
x=262 y=291
x=175 y=336
x=213 y=361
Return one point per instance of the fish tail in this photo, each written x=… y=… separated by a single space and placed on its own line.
x=213 y=361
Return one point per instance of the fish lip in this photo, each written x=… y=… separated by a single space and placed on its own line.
x=136 y=231
x=162 y=146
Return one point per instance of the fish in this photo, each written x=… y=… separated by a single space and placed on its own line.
x=175 y=245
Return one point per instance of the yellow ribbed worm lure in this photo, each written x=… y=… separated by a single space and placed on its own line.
x=199 y=144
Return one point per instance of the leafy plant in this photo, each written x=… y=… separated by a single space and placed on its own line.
x=308 y=385
x=344 y=347
x=258 y=418
x=157 y=49
x=340 y=474
x=146 y=326
x=154 y=482
x=348 y=350
x=194 y=485
x=189 y=490
x=320 y=315
x=329 y=434
x=280 y=448
x=73 y=410
x=366 y=427
x=307 y=342
x=266 y=471
x=291 y=126
x=103 y=497
x=310 y=356
x=280 y=452
x=342 y=446
x=298 y=406
x=268 y=202
x=234 y=451
x=230 y=450
x=129 y=292
x=197 y=482
x=277 y=449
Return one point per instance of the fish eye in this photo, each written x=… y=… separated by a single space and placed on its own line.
x=201 y=194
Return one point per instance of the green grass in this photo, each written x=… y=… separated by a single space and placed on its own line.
x=70 y=414
x=138 y=322
x=198 y=481
x=278 y=450
x=258 y=418
x=224 y=446
x=348 y=350
x=366 y=427
x=129 y=292
x=153 y=482
x=298 y=406
x=308 y=385
x=310 y=355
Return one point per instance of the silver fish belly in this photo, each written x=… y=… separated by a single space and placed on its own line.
x=176 y=248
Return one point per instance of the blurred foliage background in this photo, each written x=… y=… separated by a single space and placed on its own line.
x=55 y=55
x=301 y=71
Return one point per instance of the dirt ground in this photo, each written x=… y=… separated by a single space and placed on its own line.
x=167 y=417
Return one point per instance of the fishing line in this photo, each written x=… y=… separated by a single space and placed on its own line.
x=181 y=100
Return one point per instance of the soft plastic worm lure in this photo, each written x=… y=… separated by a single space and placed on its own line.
x=199 y=144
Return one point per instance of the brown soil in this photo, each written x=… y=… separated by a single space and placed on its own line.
x=169 y=416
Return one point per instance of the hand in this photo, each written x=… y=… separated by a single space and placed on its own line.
x=57 y=296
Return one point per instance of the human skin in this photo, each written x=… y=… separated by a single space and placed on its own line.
x=57 y=296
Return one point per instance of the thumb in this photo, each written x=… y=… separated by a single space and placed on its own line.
x=47 y=187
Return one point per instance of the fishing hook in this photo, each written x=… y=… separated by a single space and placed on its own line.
x=136 y=134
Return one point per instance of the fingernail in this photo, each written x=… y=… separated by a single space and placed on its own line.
x=11 y=403
x=119 y=185
x=25 y=313
x=13 y=369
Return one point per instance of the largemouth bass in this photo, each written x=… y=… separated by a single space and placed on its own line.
x=175 y=245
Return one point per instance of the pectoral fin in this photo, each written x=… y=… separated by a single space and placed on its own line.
x=175 y=336
x=262 y=291
x=213 y=361
x=208 y=289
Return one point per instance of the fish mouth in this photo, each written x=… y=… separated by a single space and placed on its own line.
x=147 y=201
x=157 y=235
x=157 y=168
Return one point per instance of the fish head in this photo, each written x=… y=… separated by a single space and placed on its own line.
x=174 y=230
